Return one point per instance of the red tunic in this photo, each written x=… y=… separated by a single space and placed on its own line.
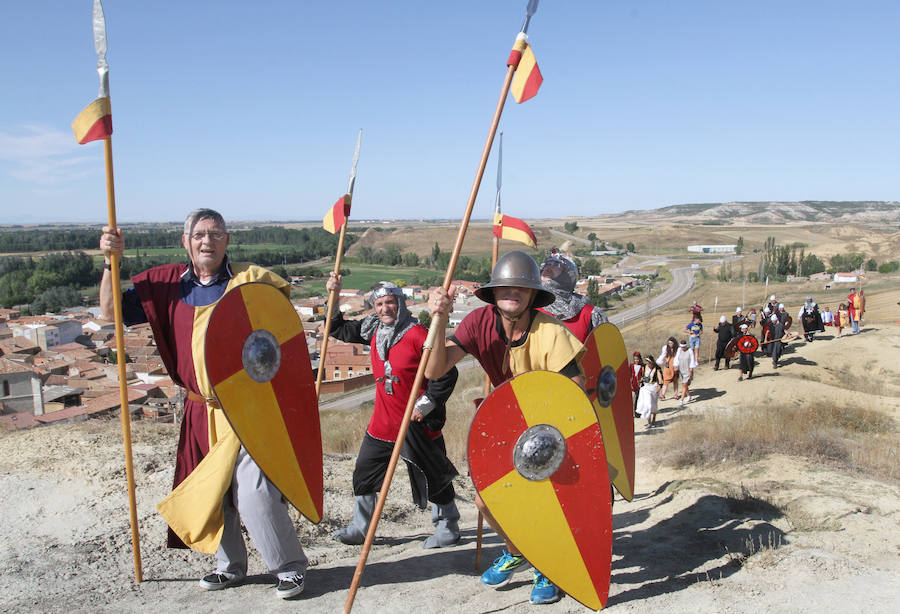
x=389 y=408
x=579 y=324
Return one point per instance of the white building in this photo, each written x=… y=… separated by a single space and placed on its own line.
x=712 y=249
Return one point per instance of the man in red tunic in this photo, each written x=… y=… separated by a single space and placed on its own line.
x=559 y=275
x=509 y=336
x=396 y=339
x=177 y=300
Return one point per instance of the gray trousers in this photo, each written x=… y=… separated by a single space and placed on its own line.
x=256 y=501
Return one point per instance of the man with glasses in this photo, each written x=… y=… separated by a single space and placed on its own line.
x=177 y=300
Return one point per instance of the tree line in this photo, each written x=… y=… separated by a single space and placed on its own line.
x=55 y=281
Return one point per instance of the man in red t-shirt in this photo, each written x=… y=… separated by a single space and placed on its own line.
x=396 y=339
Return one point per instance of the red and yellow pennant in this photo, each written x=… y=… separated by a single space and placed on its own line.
x=337 y=215
x=94 y=122
x=528 y=79
x=514 y=229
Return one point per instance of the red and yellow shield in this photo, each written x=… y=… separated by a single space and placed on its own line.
x=259 y=368
x=604 y=347
x=537 y=460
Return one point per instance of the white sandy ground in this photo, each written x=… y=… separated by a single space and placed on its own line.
x=678 y=546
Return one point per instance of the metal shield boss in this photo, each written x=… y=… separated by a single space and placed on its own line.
x=259 y=368
x=537 y=459
x=608 y=383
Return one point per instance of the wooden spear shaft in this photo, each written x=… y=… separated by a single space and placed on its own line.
x=332 y=303
x=120 y=361
x=426 y=352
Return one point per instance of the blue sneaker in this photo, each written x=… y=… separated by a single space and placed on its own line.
x=543 y=590
x=501 y=571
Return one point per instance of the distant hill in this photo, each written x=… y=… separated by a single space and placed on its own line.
x=807 y=211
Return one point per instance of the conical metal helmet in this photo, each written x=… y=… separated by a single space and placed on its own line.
x=516 y=269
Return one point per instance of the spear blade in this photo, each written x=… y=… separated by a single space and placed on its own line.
x=529 y=11
x=352 y=183
x=99 y=20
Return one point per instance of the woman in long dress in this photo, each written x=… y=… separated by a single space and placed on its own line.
x=666 y=362
x=648 y=395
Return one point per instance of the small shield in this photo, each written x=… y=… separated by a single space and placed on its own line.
x=788 y=320
x=536 y=457
x=731 y=350
x=747 y=344
x=605 y=360
x=259 y=368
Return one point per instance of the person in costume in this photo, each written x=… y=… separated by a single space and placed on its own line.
x=855 y=308
x=666 y=361
x=396 y=340
x=209 y=499
x=753 y=316
x=685 y=362
x=827 y=317
x=509 y=336
x=559 y=275
x=842 y=319
x=725 y=334
x=637 y=372
x=738 y=318
x=774 y=337
x=696 y=311
x=648 y=395
x=746 y=360
x=694 y=329
x=811 y=319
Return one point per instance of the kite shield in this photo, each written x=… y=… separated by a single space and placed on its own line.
x=536 y=457
x=606 y=361
x=259 y=368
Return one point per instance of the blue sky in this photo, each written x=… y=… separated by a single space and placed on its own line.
x=253 y=107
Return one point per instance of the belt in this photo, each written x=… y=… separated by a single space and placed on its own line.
x=193 y=396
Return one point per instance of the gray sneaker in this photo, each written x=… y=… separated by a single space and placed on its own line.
x=290 y=586
x=216 y=581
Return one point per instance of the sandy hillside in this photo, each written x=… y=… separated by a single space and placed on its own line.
x=816 y=540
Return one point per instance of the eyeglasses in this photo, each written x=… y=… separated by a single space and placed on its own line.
x=213 y=235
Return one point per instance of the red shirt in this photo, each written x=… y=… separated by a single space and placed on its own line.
x=579 y=324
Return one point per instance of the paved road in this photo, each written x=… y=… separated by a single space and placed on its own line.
x=682 y=282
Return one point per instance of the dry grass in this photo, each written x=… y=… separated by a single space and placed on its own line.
x=844 y=436
x=342 y=430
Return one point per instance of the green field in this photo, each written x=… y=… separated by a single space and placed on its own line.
x=363 y=276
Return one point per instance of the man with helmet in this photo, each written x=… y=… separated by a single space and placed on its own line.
x=774 y=336
x=746 y=360
x=559 y=275
x=509 y=336
x=396 y=338
x=811 y=319
x=725 y=332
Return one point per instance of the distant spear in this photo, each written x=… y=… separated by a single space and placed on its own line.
x=335 y=219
